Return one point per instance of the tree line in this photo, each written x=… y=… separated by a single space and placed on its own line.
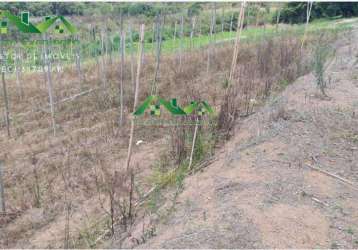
x=88 y=8
x=295 y=12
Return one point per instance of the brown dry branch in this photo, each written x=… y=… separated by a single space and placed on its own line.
x=345 y=181
x=118 y=188
x=178 y=134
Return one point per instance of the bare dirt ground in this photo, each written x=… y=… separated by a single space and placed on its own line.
x=261 y=192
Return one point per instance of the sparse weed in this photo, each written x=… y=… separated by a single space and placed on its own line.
x=321 y=52
x=173 y=177
x=334 y=245
x=87 y=236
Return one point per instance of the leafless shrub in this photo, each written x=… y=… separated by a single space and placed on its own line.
x=36 y=185
x=257 y=76
x=118 y=189
x=178 y=136
x=279 y=110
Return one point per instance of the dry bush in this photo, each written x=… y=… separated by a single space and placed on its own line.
x=265 y=65
x=178 y=149
x=117 y=189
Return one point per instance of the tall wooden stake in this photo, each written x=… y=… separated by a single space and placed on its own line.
x=122 y=39
x=49 y=83
x=308 y=14
x=278 y=19
x=121 y=62
x=175 y=34
x=214 y=27
x=154 y=36
x=136 y=93
x=181 y=41
x=78 y=63
x=212 y=24
x=222 y=20
x=231 y=21
x=103 y=61
x=109 y=48
x=131 y=47
x=240 y=23
x=4 y=88
x=157 y=53
x=192 y=32
x=6 y=101
x=18 y=71
x=193 y=143
x=2 y=191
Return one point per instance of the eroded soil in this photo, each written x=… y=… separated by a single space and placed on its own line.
x=260 y=193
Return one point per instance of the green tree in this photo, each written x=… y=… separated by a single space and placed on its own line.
x=295 y=12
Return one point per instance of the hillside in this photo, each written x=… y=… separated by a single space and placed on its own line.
x=235 y=177
x=262 y=192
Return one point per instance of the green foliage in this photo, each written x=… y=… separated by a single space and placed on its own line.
x=90 y=8
x=43 y=8
x=295 y=12
x=194 y=9
x=174 y=177
x=321 y=53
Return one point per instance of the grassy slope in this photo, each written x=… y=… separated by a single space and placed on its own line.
x=171 y=45
x=251 y=34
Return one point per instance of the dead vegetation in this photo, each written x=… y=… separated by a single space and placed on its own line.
x=49 y=180
x=290 y=167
